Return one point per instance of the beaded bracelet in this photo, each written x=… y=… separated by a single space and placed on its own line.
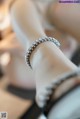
x=36 y=43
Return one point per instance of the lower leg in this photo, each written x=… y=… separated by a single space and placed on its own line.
x=48 y=61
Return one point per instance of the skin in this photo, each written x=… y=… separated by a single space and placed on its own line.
x=66 y=17
x=16 y=69
x=51 y=62
x=10 y=44
x=47 y=60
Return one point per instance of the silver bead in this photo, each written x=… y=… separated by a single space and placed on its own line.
x=36 y=43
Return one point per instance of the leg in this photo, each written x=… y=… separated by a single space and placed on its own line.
x=48 y=62
x=66 y=17
x=68 y=43
x=24 y=21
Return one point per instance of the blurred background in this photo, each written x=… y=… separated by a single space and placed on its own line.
x=17 y=83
